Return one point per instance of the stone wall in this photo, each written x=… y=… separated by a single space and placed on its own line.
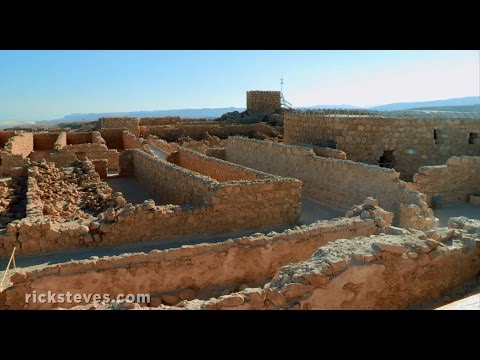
x=414 y=142
x=338 y=183
x=198 y=131
x=45 y=141
x=217 y=169
x=4 y=136
x=70 y=153
x=376 y=273
x=167 y=120
x=74 y=138
x=239 y=261
x=162 y=145
x=171 y=183
x=113 y=138
x=132 y=124
x=212 y=207
x=453 y=182
x=263 y=101
x=216 y=152
x=101 y=167
x=130 y=141
x=329 y=152
x=21 y=144
x=61 y=141
x=9 y=162
x=15 y=151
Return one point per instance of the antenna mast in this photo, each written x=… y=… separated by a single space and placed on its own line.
x=284 y=102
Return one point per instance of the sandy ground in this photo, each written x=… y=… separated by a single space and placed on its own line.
x=446 y=212
x=132 y=190
x=158 y=152
x=313 y=210
x=38 y=155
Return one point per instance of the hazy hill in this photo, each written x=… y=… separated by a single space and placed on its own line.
x=463 y=108
x=458 y=104
x=184 y=113
x=343 y=106
x=470 y=100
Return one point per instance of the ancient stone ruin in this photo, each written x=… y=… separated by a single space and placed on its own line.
x=268 y=209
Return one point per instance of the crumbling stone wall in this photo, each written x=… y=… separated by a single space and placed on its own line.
x=21 y=144
x=13 y=155
x=329 y=152
x=381 y=272
x=61 y=141
x=414 y=142
x=217 y=207
x=198 y=131
x=9 y=163
x=339 y=183
x=74 y=138
x=5 y=136
x=162 y=145
x=239 y=261
x=132 y=124
x=130 y=141
x=263 y=101
x=453 y=182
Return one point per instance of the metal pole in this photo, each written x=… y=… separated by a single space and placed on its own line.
x=8 y=266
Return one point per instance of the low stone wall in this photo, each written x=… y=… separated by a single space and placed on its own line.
x=339 y=183
x=61 y=141
x=130 y=141
x=167 y=120
x=375 y=273
x=217 y=169
x=5 y=136
x=97 y=138
x=453 y=182
x=198 y=131
x=113 y=138
x=45 y=141
x=13 y=156
x=132 y=124
x=21 y=144
x=330 y=153
x=9 y=163
x=162 y=145
x=245 y=260
x=221 y=207
x=94 y=151
x=216 y=152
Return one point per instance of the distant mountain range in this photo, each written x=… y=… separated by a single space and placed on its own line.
x=462 y=108
x=470 y=103
x=207 y=113
x=470 y=100
x=419 y=105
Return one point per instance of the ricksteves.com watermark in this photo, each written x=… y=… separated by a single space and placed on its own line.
x=75 y=298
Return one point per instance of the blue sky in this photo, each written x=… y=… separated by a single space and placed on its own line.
x=43 y=85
